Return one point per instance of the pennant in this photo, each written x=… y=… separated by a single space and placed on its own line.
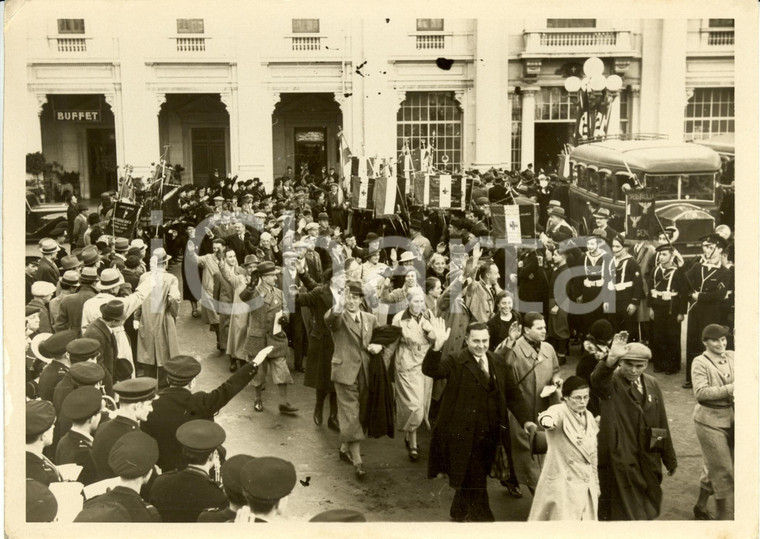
x=444 y=191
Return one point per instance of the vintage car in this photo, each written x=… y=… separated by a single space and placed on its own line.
x=681 y=175
x=41 y=219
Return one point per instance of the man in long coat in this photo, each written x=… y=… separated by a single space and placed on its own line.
x=630 y=457
x=157 y=337
x=472 y=419
x=209 y=263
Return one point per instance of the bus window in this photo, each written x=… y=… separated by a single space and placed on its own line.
x=625 y=183
x=593 y=181
x=582 y=177
x=697 y=186
x=606 y=185
x=664 y=187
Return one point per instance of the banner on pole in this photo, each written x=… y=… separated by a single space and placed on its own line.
x=640 y=221
x=514 y=222
x=385 y=196
x=442 y=191
x=125 y=217
x=362 y=193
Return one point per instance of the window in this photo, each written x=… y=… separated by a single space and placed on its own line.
x=430 y=25
x=189 y=26
x=571 y=23
x=555 y=104
x=516 y=153
x=665 y=187
x=71 y=26
x=436 y=118
x=625 y=110
x=606 y=185
x=710 y=112
x=682 y=186
x=721 y=23
x=305 y=26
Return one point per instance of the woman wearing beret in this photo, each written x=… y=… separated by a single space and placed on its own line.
x=568 y=488
x=712 y=374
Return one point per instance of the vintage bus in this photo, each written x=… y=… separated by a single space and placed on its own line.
x=724 y=144
x=681 y=175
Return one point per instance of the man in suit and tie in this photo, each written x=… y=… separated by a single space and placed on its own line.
x=102 y=330
x=351 y=331
x=240 y=242
x=47 y=270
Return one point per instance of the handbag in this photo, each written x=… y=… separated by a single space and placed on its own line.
x=656 y=438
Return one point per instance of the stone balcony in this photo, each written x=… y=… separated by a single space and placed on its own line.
x=710 y=42
x=569 y=42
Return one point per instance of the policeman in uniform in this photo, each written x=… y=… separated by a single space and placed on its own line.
x=132 y=458
x=177 y=404
x=180 y=496
x=82 y=407
x=40 y=418
x=267 y=482
x=627 y=285
x=667 y=307
x=135 y=403
x=596 y=264
x=232 y=484
x=54 y=347
x=709 y=283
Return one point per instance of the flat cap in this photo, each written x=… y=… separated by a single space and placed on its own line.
x=232 y=473
x=82 y=349
x=339 y=515
x=714 y=331
x=266 y=267
x=323 y=216
x=82 y=403
x=182 y=369
x=201 y=435
x=260 y=215
x=138 y=389
x=87 y=373
x=133 y=455
x=55 y=345
x=40 y=416
x=268 y=478
x=638 y=352
x=42 y=288
x=41 y=505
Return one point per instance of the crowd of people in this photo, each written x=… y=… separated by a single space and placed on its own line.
x=418 y=319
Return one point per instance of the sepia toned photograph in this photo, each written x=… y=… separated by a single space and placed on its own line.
x=303 y=264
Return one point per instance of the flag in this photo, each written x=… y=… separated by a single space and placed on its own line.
x=444 y=191
x=514 y=222
x=362 y=193
x=384 y=195
x=640 y=220
x=345 y=158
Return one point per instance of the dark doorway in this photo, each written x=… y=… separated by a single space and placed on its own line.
x=550 y=139
x=101 y=160
x=310 y=149
x=209 y=154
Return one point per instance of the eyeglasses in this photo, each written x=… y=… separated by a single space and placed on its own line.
x=579 y=398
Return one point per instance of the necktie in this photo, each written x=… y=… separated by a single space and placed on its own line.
x=483 y=361
x=636 y=388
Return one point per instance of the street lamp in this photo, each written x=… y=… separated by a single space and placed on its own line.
x=595 y=95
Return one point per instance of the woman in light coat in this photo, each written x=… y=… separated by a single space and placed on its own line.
x=568 y=488
x=413 y=389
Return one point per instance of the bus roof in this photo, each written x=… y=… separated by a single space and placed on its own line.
x=649 y=156
x=720 y=143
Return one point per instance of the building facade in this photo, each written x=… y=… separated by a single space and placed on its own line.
x=229 y=91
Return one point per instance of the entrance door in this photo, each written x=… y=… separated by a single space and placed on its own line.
x=310 y=149
x=101 y=160
x=209 y=153
x=550 y=139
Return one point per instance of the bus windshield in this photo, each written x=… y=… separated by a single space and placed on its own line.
x=682 y=186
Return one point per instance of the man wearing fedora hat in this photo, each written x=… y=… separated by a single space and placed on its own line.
x=120 y=250
x=603 y=229
x=109 y=287
x=70 y=308
x=157 y=337
x=557 y=222
x=115 y=357
x=47 y=270
x=266 y=322
x=69 y=283
x=59 y=235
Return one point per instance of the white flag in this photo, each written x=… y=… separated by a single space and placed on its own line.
x=444 y=187
x=512 y=223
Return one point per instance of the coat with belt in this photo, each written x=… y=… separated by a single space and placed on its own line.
x=265 y=305
x=454 y=436
x=520 y=359
x=350 y=344
x=569 y=478
x=629 y=474
x=714 y=391
x=157 y=338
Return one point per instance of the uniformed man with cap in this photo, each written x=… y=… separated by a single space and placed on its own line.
x=177 y=404
x=181 y=495
x=709 y=283
x=232 y=484
x=634 y=435
x=626 y=284
x=132 y=458
x=668 y=296
x=54 y=348
x=135 y=403
x=41 y=505
x=40 y=419
x=596 y=264
x=83 y=407
x=267 y=483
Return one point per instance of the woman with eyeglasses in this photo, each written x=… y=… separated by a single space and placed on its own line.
x=568 y=488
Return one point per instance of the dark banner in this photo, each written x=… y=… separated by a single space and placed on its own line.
x=640 y=221
x=514 y=222
x=125 y=216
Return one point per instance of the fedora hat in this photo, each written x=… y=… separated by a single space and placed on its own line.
x=89 y=275
x=70 y=278
x=121 y=245
x=250 y=260
x=110 y=278
x=90 y=255
x=113 y=310
x=406 y=256
x=139 y=243
x=70 y=262
x=35 y=346
x=161 y=256
x=557 y=211
x=49 y=246
x=604 y=213
x=267 y=268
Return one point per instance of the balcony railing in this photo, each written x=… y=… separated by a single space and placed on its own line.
x=72 y=44
x=719 y=38
x=430 y=42
x=561 y=41
x=191 y=44
x=306 y=43
x=711 y=41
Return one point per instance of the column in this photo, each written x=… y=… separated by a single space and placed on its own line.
x=673 y=78
x=635 y=121
x=114 y=101
x=613 y=127
x=229 y=99
x=528 y=141
x=34 y=126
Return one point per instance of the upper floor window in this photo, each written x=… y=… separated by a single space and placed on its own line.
x=571 y=23
x=305 y=26
x=721 y=23
x=430 y=25
x=189 y=26
x=71 y=26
